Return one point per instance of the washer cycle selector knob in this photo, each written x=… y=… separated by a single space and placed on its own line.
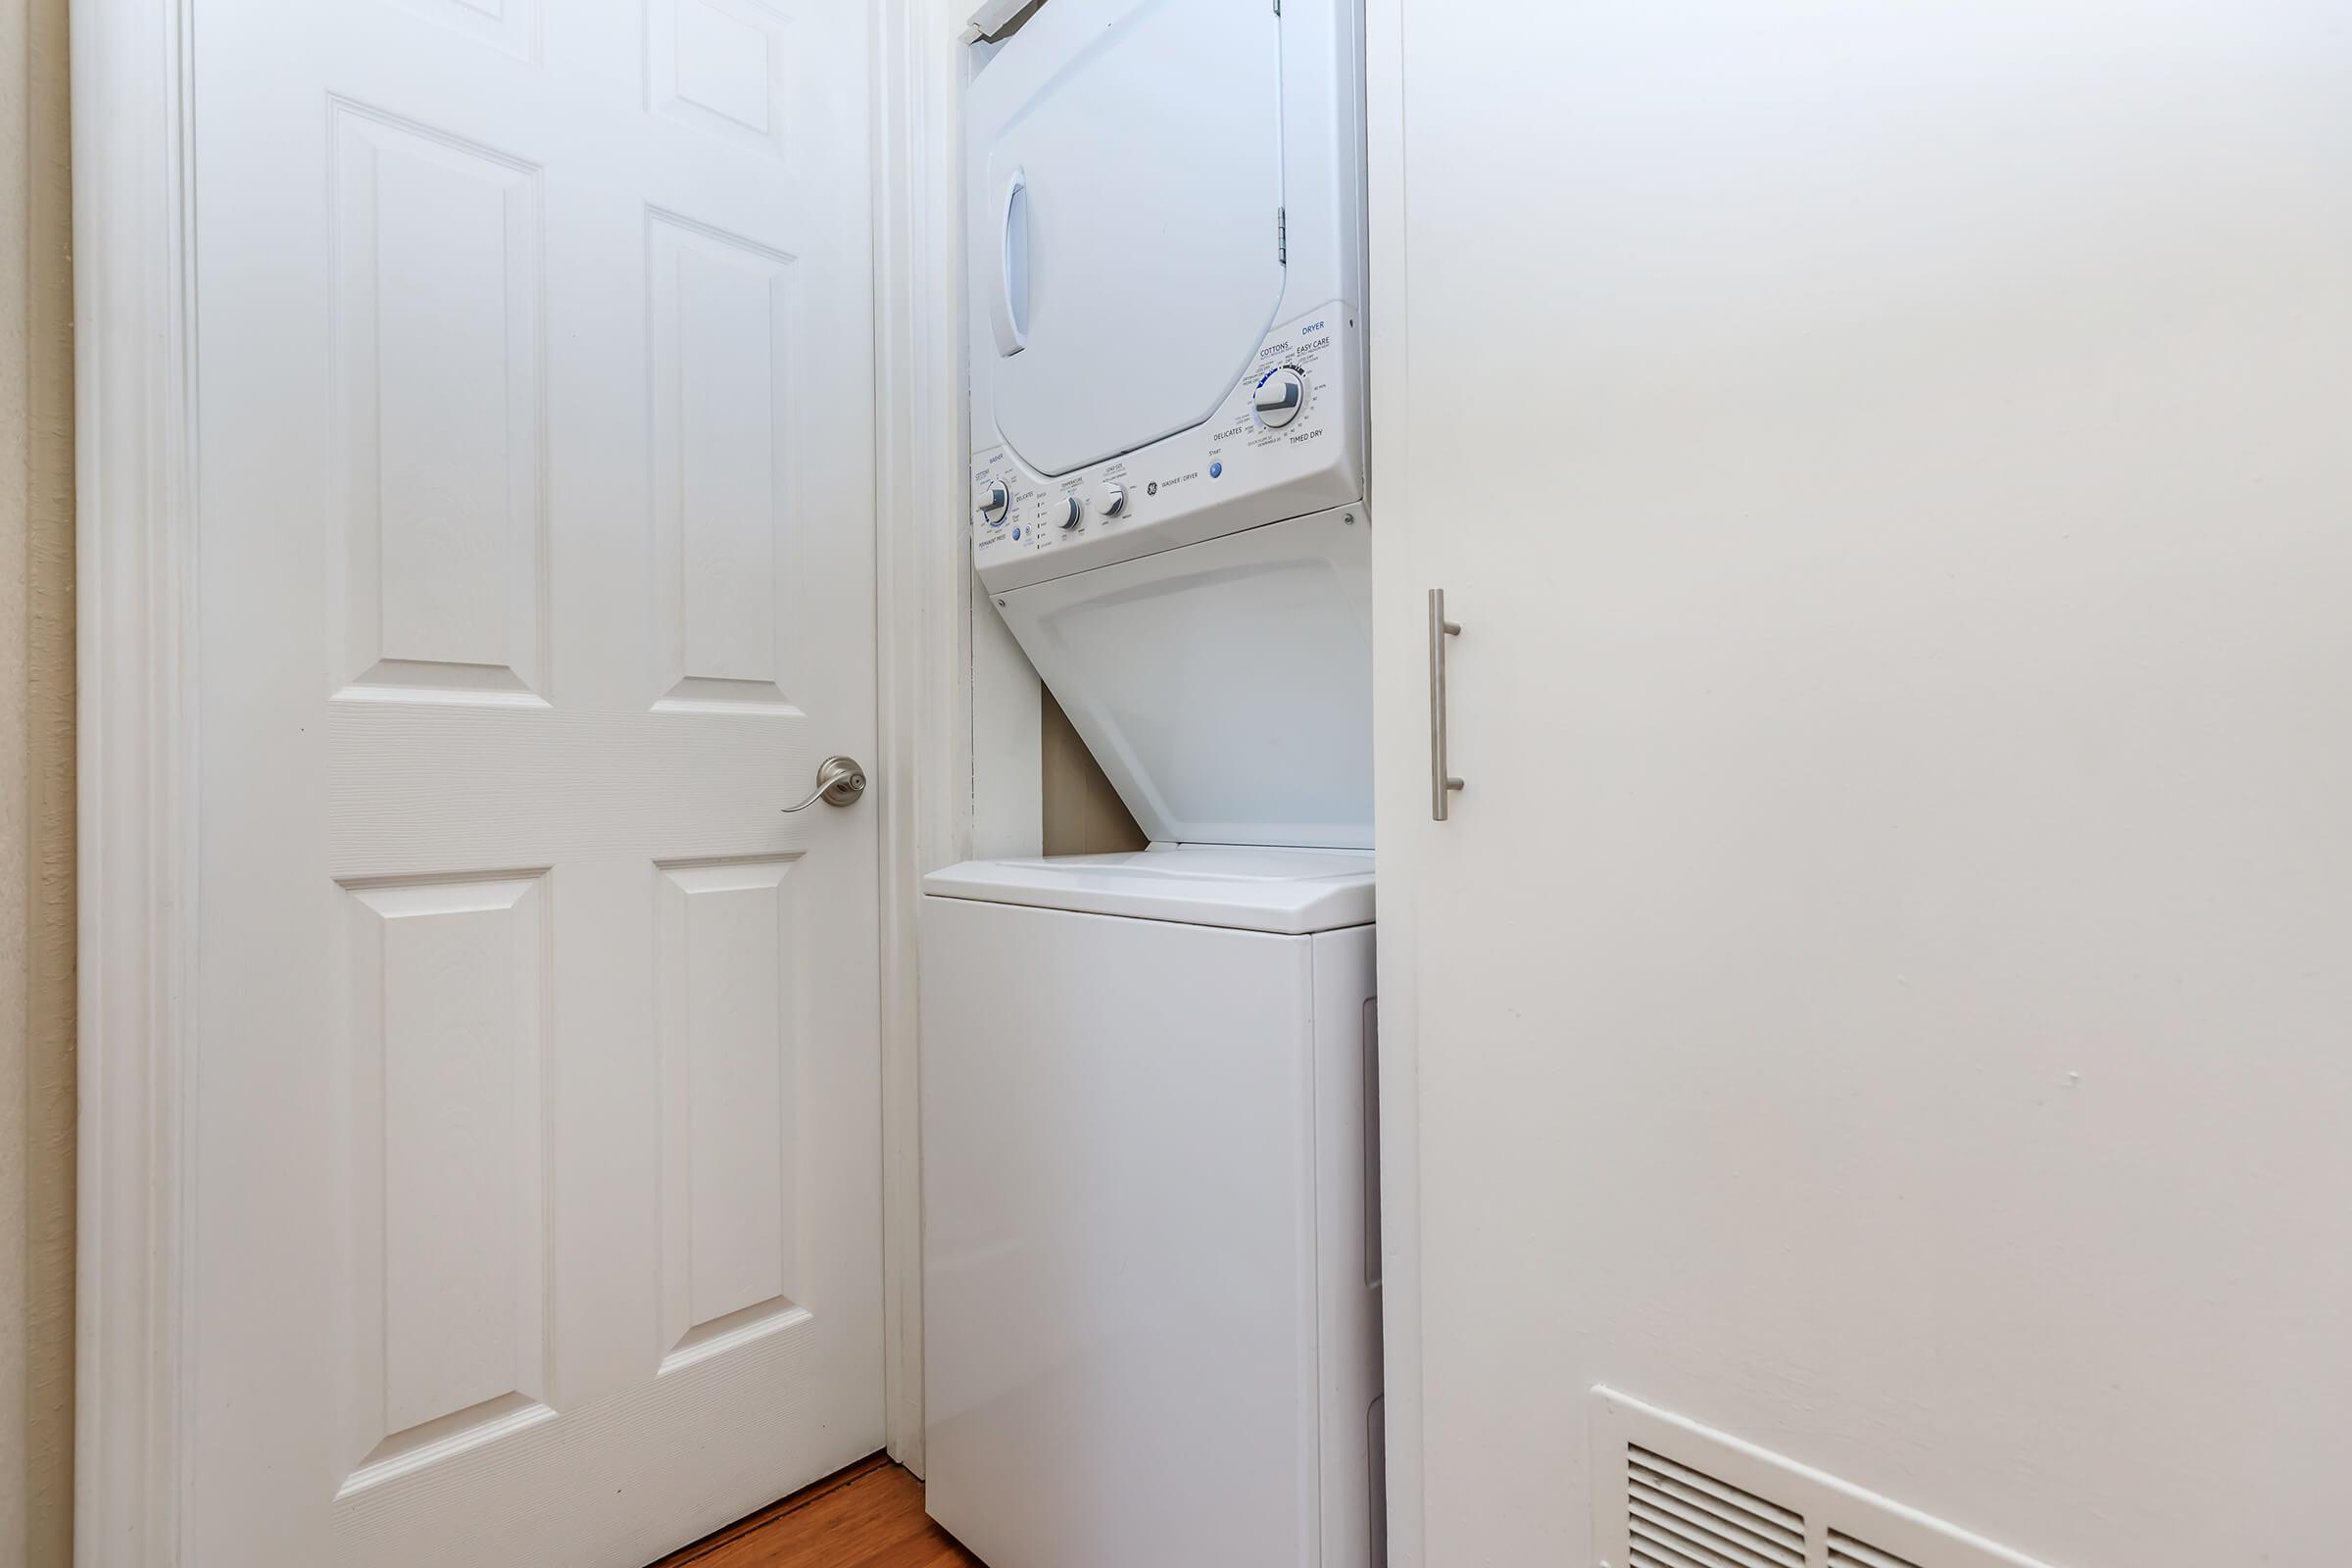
x=1113 y=502
x=992 y=502
x=1071 y=510
x=1280 y=396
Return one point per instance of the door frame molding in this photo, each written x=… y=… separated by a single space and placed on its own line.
x=135 y=466
x=135 y=477
x=922 y=613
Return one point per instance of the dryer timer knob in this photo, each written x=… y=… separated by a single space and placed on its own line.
x=1280 y=397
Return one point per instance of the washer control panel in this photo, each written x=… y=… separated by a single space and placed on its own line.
x=1288 y=440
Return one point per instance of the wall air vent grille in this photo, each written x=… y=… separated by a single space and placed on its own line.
x=1847 y=1552
x=1670 y=1493
x=1679 y=1516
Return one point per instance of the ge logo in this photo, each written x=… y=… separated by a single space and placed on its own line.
x=1152 y=488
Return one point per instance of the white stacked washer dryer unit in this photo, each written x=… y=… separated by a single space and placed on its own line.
x=1151 y=1224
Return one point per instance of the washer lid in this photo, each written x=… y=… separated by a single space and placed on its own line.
x=1291 y=892
x=1126 y=178
x=1225 y=687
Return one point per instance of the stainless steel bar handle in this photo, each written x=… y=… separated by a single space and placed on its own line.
x=840 y=780
x=1442 y=784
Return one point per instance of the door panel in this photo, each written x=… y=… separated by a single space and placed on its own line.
x=440 y=1107
x=536 y=1163
x=730 y=1182
x=436 y=431
x=726 y=347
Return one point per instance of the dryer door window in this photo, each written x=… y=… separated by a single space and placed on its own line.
x=1126 y=173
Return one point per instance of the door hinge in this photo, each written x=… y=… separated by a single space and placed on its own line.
x=1278 y=7
x=1281 y=235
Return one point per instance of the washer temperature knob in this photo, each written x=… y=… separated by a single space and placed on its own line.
x=1071 y=510
x=1280 y=397
x=992 y=502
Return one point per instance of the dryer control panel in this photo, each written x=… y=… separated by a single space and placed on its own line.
x=1287 y=440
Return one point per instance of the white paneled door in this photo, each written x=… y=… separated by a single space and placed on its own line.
x=534 y=1161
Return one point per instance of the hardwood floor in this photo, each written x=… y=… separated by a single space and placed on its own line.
x=867 y=1516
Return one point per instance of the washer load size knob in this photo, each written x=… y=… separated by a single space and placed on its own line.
x=1070 y=511
x=1111 y=501
x=992 y=502
x=1280 y=397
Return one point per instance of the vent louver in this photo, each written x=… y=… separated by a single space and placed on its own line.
x=1847 y=1552
x=1680 y=1518
x=1670 y=1493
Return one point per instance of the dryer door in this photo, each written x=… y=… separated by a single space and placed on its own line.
x=1125 y=178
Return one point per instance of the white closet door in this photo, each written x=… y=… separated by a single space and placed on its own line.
x=535 y=1170
x=1883 y=990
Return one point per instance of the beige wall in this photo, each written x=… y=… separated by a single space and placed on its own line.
x=1083 y=814
x=37 y=792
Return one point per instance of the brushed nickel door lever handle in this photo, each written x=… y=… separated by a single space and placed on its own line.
x=840 y=780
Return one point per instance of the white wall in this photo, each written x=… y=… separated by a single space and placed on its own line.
x=1007 y=753
x=1886 y=990
x=1007 y=703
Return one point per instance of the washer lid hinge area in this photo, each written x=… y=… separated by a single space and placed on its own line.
x=1282 y=219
